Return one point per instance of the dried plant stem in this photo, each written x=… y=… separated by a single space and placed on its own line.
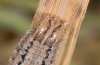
x=62 y=9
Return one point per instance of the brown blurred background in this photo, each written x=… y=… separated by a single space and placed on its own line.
x=16 y=16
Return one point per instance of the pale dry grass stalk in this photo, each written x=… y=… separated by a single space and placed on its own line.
x=72 y=11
